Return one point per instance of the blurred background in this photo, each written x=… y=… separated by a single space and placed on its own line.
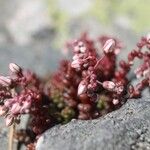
x=33 y=32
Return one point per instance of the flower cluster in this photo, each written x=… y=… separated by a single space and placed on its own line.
x=91 y=84
x=88 y=86
x=20 y=94
x=94 y=70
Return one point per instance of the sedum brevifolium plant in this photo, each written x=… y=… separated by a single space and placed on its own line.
x=86 y=87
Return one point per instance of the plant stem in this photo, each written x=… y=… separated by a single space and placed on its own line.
x=11 y=133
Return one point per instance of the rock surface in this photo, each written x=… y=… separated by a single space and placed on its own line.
x=125 y=129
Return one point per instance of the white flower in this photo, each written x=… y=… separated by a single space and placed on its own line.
x=109 y=46
x=76 y=63
x=82 y=88
x=109 y=85
x=14 y=68
x=5 y=81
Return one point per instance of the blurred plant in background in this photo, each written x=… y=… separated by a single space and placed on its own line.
x=60 y=20
x=63 y=13
x=135 y=11
x=130 y=14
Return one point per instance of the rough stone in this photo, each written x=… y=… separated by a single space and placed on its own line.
x=124 y=129
x=3 y=135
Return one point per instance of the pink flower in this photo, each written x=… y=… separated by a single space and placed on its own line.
x=115 y=101
x=109 y=46
x=14 y=68
x=83 y=49
x=9 y=102
x=15 y=109
x=138 y=73
x=26 y=105
x=76 y=63
x=109 y=85
x=5 y=81
x=82 y=88
x=119 y=88
x=148 y=38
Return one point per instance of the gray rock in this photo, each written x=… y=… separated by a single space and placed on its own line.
x=26 y=36
x=3 y=135
x=125 y=129
x=3 y=139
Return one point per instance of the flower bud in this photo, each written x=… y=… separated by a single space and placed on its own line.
x=76 y=64
x=26 y=111
x=109 y=85
x=119 y=88
x=109 y=46
x=26 y=105
x=115 y=101
x=15 y=108
x=3 y=110
x=14 y=68
x=83 y=49
x=148 y=38
x=80 y=44
x=9 y=120
x=146 y=73
x=75 y=57
x=8 y=102
x=76 y=49
x=82 y=88
x=138 y=72
x=5 y=81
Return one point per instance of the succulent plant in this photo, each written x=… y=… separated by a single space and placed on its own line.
x=86 y=87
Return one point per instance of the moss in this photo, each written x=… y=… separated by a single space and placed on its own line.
x=104 y=11
x=102 y=102
x=67 y=114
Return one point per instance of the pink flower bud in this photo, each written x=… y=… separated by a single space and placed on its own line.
x=146 y=73
x=138 y=72
x=115 y=101
x=14 y=68
x=9 y=120
x=3 y=110
x=76 y=64
x=83 y=49
x=148 y=38
x=119 y=88
x=15 y=108
x=109 y=85
x=81 y=44
x=109 y=46
x=26 y=105
x=82 y=88
x=75 y=57
x=26 y=111
x=76 y=49
x=8 y=102
x=5 y=81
